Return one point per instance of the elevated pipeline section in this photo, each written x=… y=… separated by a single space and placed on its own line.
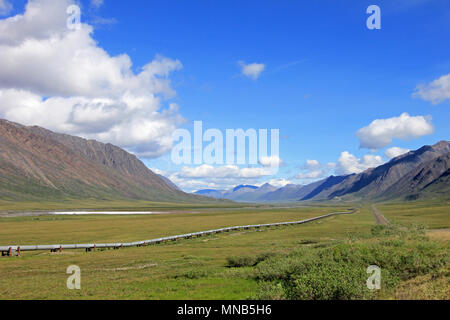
x=17 y=249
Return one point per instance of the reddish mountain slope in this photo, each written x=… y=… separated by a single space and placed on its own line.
x=36 y=163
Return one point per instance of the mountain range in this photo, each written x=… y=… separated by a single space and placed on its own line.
x=423 y=173
x=241 y=193
x=38 y=164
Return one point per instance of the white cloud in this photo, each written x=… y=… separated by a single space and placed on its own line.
x=63 y=80
x=221 y=177
x=313 y=170
x=208 y=171
x=312 y=164
x=252 y=70
x=331 y=165
x=381 y=132
x=97 y=3
x=348 y=163
x=227 y=171
x=41 y=19
x=395 y=152
x=271 y=161
x=281 y=182
x=194 y=185
x=436 y=92
x=188 y=184
x=5 y=7
x=159 y=171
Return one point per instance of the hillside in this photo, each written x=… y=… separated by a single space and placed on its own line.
x=37 y=164
x=428 y=180
x=422 y=173
x=291 y=192
x=241 y=193
x=374 y=182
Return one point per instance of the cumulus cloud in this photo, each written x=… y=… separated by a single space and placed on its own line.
x=313 y=169
x=5 y=7
x=227 y=171
x=348 y=163
x=381 y=132
x=312 y=164
x=252 y=70
x=63 y=80
x=194 y=185
x=395 y=152
x=271 y=161
x=281 y=182
x=436 y=92
x=220 y=177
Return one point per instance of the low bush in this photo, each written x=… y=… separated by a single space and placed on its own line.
x=339 y=271
x=248 y=261
x=241 y=261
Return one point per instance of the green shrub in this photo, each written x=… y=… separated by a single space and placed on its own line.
x=270 y=291
x=264 y=256
x=332 y=281
x=339 y=272
x=248 y=261
x=241 y=261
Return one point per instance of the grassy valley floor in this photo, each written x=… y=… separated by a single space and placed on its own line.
x=263 y=263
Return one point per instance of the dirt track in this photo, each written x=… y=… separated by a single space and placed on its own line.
x=440 y=234
x=379 y=218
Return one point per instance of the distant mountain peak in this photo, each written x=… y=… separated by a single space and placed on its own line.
x=244 y=186
x=442 y=145
x=267 y=186
x=374 y=182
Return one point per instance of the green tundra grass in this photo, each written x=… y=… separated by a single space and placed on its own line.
x=434 y=215
x=107 y=205
x=199 y=268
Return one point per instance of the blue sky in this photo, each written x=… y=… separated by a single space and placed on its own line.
x=326 y=74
